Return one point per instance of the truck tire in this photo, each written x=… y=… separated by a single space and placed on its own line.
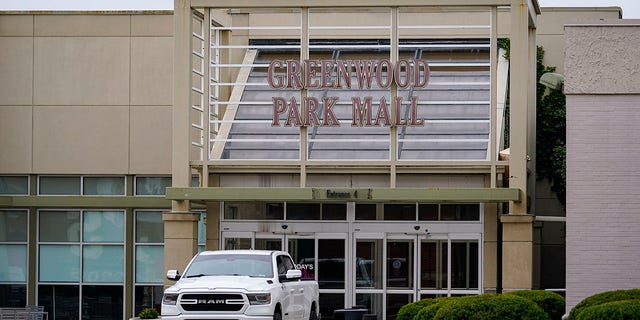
x=313 y=315
x=277 y=315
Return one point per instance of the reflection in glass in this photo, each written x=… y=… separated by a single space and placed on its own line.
x=13 y=262
x=152 y=186
x=59 y=226
x=149 y=264
x=395 y=302
x=334 y=211
x=103 y=226
x=330 y=302
x=400 y=264
x=464 y=265
x=460 y=212
x=369 y=264
x=331 y=255
x=365 y=211
x=371 y=301
x=237 y=243
x=253 y=210
x=202 y=228
x=102 y=263
x=102 y=302
x=113 y=186
x=60 y=301
x=147 y=297
x=59 y=263
x=433 y=266
x=428 y=212
x=13 y=225
x=149 y=227
x=53 y=185
x=14 y=185
x=303 y=211
x=13 y=295
x=268 y=244
x=400 y=212
x=302 y=252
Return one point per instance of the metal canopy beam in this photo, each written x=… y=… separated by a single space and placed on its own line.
x=342 y=3
x=346 y=194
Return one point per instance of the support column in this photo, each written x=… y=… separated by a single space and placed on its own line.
x=517 y=252
x=180 y=225
x=517 y=226
x=180 y=240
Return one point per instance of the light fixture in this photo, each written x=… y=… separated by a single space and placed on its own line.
x=552 y=80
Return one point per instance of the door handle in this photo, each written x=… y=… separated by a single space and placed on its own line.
x=302 y=290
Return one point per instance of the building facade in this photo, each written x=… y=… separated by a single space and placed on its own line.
x=131 y=140
x=602 y=117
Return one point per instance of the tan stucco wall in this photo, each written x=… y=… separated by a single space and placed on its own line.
x=86 y=93
x=550 y=31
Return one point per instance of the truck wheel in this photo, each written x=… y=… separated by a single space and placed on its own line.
x=277 y=315
x=313 y=315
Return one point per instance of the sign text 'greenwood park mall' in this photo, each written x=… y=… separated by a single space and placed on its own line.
x=338 y=74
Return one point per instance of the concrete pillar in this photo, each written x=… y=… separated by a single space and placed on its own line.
x=517 y=226
x=213 y=226
x=180 y=240
x=517 y=252
x=490 y=247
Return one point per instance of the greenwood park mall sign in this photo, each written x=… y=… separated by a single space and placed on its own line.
x=319 y=74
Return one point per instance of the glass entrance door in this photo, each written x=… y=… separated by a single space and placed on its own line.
x=321 y=256
x=392 y=269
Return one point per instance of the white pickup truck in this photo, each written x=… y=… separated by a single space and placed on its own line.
x=241 y=285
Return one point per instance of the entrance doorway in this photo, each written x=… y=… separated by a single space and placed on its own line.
x=379 y=265
x=395 y=268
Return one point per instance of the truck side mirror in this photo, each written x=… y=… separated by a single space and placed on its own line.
x=291 y=275
x=294 y=274
x=173 y=275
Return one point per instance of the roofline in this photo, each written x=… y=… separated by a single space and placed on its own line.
x=87 y=12
x=584 y=9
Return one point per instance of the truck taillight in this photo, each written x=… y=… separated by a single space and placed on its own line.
x=170 y=299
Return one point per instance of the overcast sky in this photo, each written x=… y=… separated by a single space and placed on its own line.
x=630 y=8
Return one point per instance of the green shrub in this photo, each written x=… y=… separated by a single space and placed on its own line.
x=430 y=310
x=408 y=311
x=601 y=298
x=149 y=313
x=491 y=307
x=617 y=310
x=552 y=303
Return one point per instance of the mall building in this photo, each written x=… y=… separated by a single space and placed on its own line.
x=367 y=138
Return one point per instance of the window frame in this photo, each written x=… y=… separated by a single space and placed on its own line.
x=21 y=243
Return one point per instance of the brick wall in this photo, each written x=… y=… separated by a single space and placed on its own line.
x=603 y=160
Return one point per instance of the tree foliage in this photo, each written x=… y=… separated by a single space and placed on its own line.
x=551 y=138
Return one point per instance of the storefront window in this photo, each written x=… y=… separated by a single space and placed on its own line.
x=111 y=186
x=253 y=211
x=464 y=265
x=152 y=186
x=14 y=185
x=60 y=301
x=425 y=212
x=59 y=185
x=149 y=259
x=13 y=258
x=83 y=248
